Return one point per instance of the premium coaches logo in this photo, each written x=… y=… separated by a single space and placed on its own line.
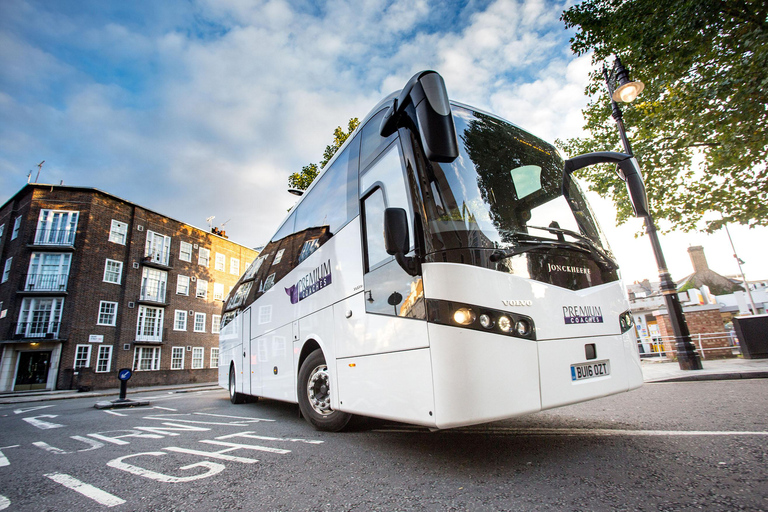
x=313 y=282
x=583 y=314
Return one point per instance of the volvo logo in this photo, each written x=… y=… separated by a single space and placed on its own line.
x=517 y=302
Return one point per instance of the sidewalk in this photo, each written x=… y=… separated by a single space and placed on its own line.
x=713 y=369
x=42 y=396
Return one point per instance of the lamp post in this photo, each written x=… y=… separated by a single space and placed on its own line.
x=627 y=91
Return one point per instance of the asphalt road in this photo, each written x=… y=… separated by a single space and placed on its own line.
x=680 y=446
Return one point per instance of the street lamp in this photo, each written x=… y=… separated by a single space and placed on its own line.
x=620 y=88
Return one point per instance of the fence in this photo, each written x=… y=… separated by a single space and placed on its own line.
x=709 y=345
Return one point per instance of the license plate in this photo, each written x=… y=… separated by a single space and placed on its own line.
x=590 y=370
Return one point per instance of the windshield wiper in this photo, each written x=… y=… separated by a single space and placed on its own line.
x=583 y=241
x=531 y=243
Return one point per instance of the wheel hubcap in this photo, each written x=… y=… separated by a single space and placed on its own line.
x=319 y=390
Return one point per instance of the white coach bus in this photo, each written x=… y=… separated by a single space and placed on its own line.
x=443 y=270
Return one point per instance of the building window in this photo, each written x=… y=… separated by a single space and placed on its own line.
x=118 y=232
x=2 y=230
x=107 y=313
x=199 y=322
x=221 y=262
x=182 y=285
x=177 y=358
x=56 y=227
x=214 y=357
x=16 y=228
x=204 y=257
x=197 y=357
x=104 y=359
x=202 y=289
x=254 y=268
x=146 y=358
x=153 y=284
x=149 y=327
x=7 y=270
x=40 y=317
x=48 y=272
x=180 y=321
x=278 y=257
x=157 y=248
x=270 y=282
x=82 y=356
x=234 y=266
x=215 y=324
x=218 y=291
x=113 y=271
x=185 y=251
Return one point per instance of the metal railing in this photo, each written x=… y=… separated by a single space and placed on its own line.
x=45 y=282
x=664 y=347
x=36 y=329
x=59 y=237
x=153 y=290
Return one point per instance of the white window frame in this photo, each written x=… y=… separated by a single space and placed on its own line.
x=185 y=251
x=198 y=354
x=104 y=359
x=149 y=328
x=57 y=227
x=16 y=228
x=204 y=257
x=214 y=362
x=175 y=351
x=2 y=230
x=48 y=271
x=150 y=355
x=218 y=291
x=153 y=284
x=117 y=269
x=199 y=323
x=7 y=270
x=37 y=322
x=106 y=314
x=177 y=319
x=118 y=232
x=182 y=289
x=278 y=257
x=201 y=291
x=220 y=262
x=157 y=247
x=79 y=350
x=234 y=266
x=215 y=324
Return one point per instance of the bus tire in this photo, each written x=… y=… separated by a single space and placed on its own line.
x=314 y=392
x=234 y=396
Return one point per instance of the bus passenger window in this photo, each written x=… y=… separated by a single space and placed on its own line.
x=373 y=209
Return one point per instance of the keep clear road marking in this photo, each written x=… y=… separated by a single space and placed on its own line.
x=87 y=490
x=34 y=421
x=3 y=459
x=580 y=432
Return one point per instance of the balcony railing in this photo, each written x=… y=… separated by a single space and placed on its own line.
x=36 y=329
x=153 y=291
x=55 y=237
x=158 y=258
x=153 y=338
x=45 y=282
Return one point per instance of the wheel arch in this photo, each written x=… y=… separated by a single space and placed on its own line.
x=309 y=346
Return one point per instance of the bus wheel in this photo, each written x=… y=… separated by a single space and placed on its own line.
x=314 y=391
x=234 y=396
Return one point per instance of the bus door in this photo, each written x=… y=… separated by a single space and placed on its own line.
x=246 y=361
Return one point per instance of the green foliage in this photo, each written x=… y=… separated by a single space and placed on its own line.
x=302 y=180
x=704 y=64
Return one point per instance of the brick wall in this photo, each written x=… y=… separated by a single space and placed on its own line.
x=700 y=321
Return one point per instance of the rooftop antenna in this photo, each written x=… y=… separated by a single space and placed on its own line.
x=39 y=168
x=224 y=224
x=210 y=222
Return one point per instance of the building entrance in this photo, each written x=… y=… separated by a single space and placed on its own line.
x=33 y=369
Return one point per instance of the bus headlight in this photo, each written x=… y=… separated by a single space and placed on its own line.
x=523 y=328
x=486 y=321
x=505 y=324
x=464 y=316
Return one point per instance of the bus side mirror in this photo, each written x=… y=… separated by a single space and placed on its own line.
x=396 y=231
x=426 y=90
x=396 y=240
x=629 y=171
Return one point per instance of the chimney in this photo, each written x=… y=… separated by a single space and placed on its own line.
x=698 y=260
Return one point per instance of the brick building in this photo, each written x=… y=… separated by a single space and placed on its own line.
x=92 y=283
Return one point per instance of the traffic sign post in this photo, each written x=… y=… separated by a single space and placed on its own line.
x=124 y=375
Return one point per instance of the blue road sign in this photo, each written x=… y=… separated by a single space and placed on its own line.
x=124 y=374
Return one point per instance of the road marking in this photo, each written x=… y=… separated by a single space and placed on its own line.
x=34 y=421
x=4 y=503
x=211 y=469
x=86 y=490
x=3 y=459
x=248 y=419
x=235 y=446
x=30 y=409
x=114 y=413
x=94 y=445
x=165 y=408
x=579 y=432
x=252 y=435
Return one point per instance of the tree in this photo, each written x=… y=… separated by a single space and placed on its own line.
x=302 y=180
x=700 y=128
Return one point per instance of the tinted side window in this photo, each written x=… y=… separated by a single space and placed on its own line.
x=373 y=142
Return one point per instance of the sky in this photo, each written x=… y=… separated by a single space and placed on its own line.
x=199 y=108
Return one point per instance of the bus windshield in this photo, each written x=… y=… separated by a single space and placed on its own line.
x=505 y=191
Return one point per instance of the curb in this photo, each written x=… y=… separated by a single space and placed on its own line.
x=712 y=376
x=54 y=395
